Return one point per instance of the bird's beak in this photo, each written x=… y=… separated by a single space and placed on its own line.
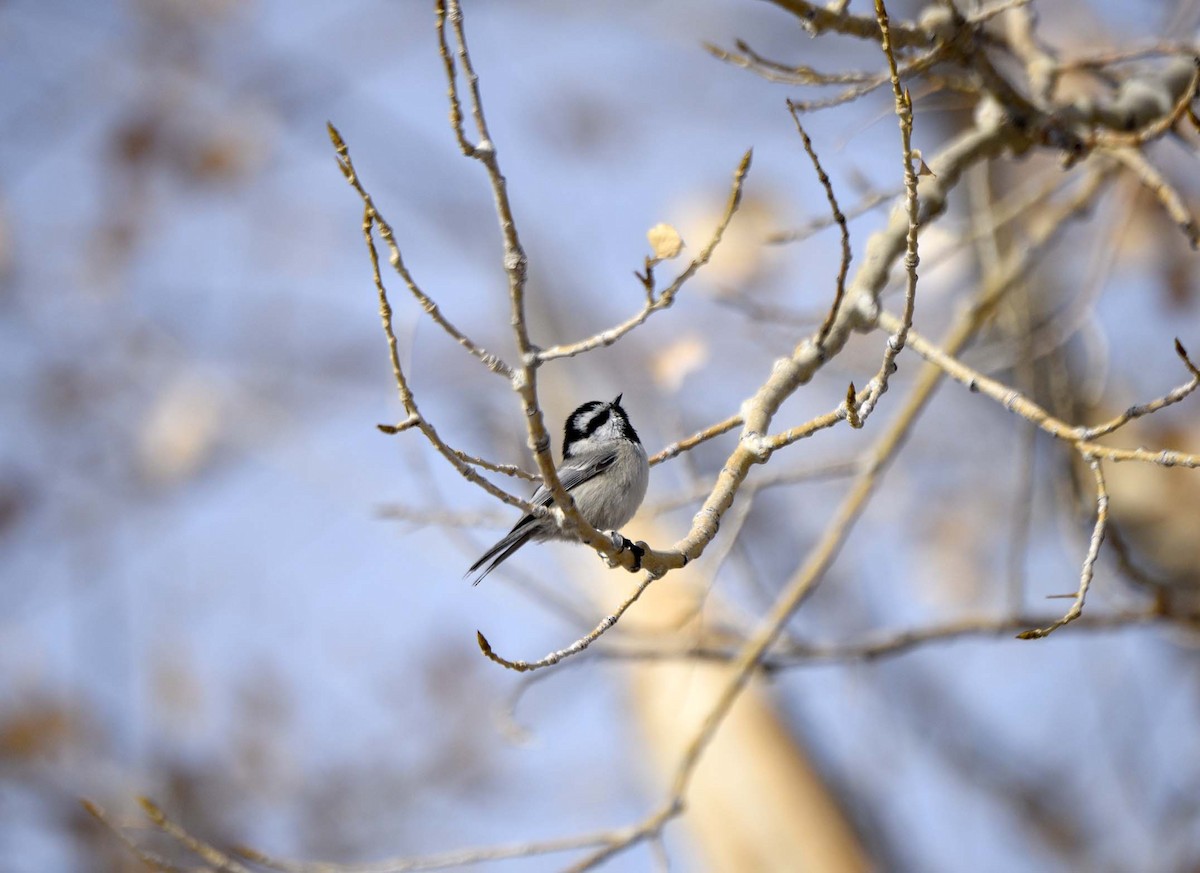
x=617 y=402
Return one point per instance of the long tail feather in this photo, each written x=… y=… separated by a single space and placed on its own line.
x=500 y=552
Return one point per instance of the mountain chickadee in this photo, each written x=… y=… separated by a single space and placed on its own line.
x=605 y=469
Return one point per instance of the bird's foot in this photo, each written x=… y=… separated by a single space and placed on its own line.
x=622 y=543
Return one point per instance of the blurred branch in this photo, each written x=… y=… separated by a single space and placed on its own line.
x=150 y=860
x=1154 y=182
x=424 y=516
x=1089 y=560
x=205 y=851
x=444 y=861
x=803 y=232
x=818 y=20
x=892 y=643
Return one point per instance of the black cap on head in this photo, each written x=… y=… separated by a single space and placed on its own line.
x=591 y=417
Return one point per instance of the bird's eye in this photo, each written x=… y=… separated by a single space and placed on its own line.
x=597 y=422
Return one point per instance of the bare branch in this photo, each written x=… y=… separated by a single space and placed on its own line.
x=789 y=373
x=774 y=71
x=869 y=202
x=847 y=513
x=1081 y=438
x=524 y=378
x=703 y=436
x=818 y=20
x=919 y=64
x=815 y=472
x=667 y=296
x=836 y=212
x=904 y=114
x=1168 y=399
x=1110 y=57
x=1154 y=182
x=506 y=469
x=490 y=360
x=208 y=853
x=576 y=647
x=1089 y=560
x=812 y=426
x=406 y=396
x=148 y=859
x=885 y=644
x=444 y=861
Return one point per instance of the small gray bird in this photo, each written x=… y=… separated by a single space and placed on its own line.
x=605 y=469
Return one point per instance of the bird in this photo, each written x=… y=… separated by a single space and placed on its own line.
x=604 y=468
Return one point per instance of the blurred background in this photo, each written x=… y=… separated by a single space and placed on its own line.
x=214 y=586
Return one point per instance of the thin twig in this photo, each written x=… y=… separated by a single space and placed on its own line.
x=1164 y=192
x=515 y=262
x=819 y=19
x=812 y=473
x=881 y=645
x=205 y=851
x=812 y=426
x=703 y=436
x=576 y=647
x=444 y=861
x=804 y=231
x=786 y=74
x=507 y=469
x=1014 y=401
x=838 y=217
x=406 y=396
x=1168 y=399
x=492 y=361
x=524 y=377
x=848 y=512
x=919 y=64
x=878 y=386
x=149 y=859
x=1088 y=570
x=656 y=303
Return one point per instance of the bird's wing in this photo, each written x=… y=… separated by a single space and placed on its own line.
x=575 y=473
x=571 y=474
